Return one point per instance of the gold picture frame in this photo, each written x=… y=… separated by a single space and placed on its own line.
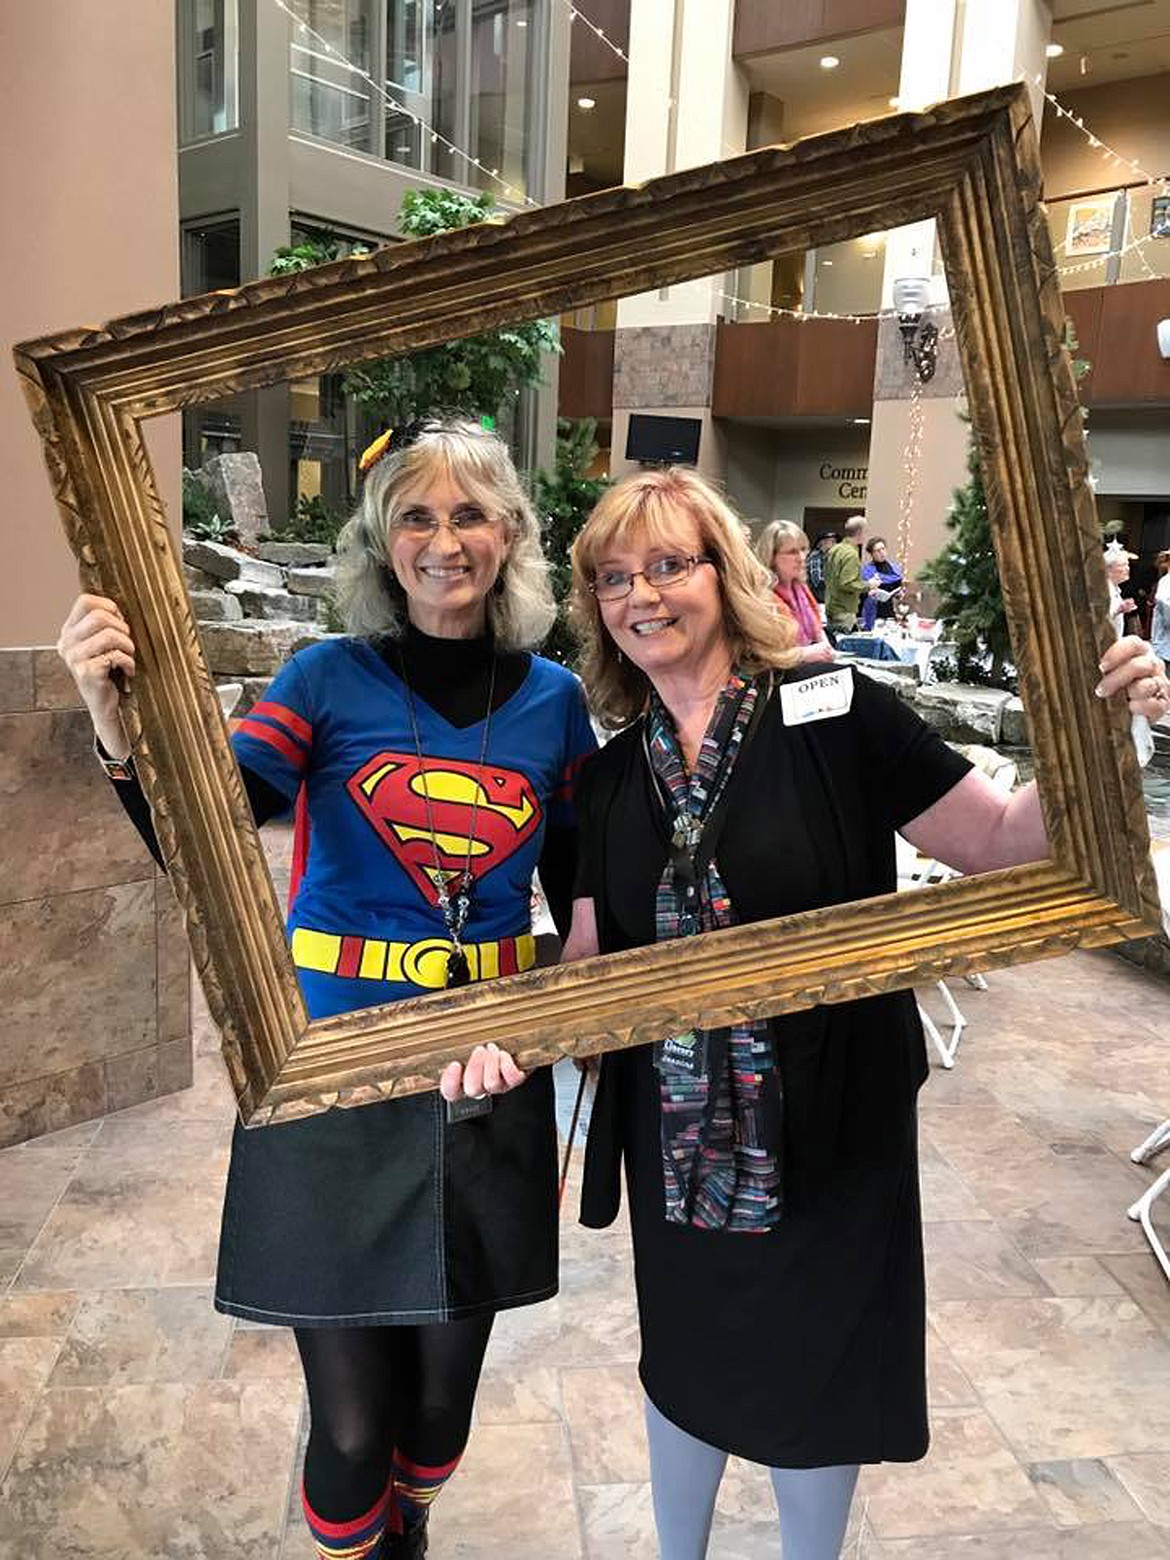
x=971 y=163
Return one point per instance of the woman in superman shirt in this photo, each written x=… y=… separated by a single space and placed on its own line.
x=433 y=757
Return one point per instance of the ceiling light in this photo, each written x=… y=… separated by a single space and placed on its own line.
x=826 y=262
x=586 y=103
x=860 y=422
x=829 y=62
x=521 y=22
x=1054 y=50
x=895 y=102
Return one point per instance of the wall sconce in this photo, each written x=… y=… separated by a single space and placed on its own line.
x=1164 y=338
x=919 y=336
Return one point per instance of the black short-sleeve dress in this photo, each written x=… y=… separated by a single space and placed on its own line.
x=803 y=1347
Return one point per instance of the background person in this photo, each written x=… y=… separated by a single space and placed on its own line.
x=783 y=550
x=815 y=567
x=881 y=569
x=1160 y=618
x=437 y=757
x=843 y=584
x=1121 y=605
x=771 y=1168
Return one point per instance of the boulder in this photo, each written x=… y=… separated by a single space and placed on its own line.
x=241 y=650
x=235 y=484
x=214 y=606
x=228 y=563
x=198 y=579
x=262 y=601
x=899 y=676
x=1013 y=725
x=962 y=712
x=295 y=554
x=310 y=582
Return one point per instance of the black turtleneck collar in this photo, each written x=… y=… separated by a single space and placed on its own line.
x=453 y=675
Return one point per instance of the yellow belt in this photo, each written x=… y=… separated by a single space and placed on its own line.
x=422 y=963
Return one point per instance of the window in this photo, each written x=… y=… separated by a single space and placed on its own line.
x=208 y=52
x=210 y=256
x=330 y=97
x=456 y=85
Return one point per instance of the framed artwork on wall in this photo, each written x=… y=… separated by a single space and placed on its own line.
x=1090 y=226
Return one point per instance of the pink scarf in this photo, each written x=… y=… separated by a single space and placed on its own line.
x=800 y=604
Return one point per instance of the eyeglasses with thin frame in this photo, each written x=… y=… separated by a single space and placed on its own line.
x=466 y=520
x=665 y=572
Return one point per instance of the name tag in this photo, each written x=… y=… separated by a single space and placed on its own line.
x=817 y=698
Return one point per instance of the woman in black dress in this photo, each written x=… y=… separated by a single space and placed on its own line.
x=772 y=1168
x=436 y=757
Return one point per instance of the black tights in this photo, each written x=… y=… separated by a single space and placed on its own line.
x=374 y=1389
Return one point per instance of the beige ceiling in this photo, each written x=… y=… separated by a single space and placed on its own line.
x=860 y=87
x=1117 y=39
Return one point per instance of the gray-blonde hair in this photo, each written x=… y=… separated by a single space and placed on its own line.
x=775 y=532
x=647 y=506
x=369 y=598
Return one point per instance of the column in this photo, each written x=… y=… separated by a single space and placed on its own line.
x=950 y=48
x=686 y=105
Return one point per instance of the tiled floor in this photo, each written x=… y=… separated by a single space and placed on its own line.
x=135 y=1422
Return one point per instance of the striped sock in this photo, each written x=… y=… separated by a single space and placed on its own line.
x=416 y=1485
x=349 y=1540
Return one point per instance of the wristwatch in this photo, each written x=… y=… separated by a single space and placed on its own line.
x=116 y=768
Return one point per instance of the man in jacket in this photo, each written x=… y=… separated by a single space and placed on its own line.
x=843 y=584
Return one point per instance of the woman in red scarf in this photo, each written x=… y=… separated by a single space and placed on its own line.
x=783 y=548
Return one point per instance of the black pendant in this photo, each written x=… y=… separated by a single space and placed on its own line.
x=458 y=969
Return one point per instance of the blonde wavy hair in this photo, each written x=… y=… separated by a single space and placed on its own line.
x=644 y=510
x=369 y=598
x=775 y=532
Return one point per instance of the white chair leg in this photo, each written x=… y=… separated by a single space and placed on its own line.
x=1140 y=1212
x=1158 y=1139
x=976 y=982
x=946 y=1052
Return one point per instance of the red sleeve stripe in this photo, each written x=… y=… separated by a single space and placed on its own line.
x=283 y=716
x=296 y=756
x=564 y=790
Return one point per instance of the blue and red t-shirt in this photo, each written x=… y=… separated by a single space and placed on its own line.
x=365 y=924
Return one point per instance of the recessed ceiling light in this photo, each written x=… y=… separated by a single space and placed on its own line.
x=1054 y=50
x=586 y=103
x=826 y=262
x=860 y=422
x=521 y=22
x=829 y=62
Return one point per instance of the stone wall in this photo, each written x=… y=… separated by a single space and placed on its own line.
x=663 y=365
x=94 y=972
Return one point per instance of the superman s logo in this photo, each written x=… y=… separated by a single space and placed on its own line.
x=392 y=789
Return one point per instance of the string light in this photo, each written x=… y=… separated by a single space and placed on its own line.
x=437 y=137
x=576 y=14
x=1160 y=182
x=911 y=459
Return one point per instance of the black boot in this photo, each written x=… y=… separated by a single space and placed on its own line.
x=411 y=1545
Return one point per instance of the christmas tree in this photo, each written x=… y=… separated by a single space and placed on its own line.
x=564 y=499
x=966 y=573
x=966 y=576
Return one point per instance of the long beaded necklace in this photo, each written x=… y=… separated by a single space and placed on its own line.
x=453 y=892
